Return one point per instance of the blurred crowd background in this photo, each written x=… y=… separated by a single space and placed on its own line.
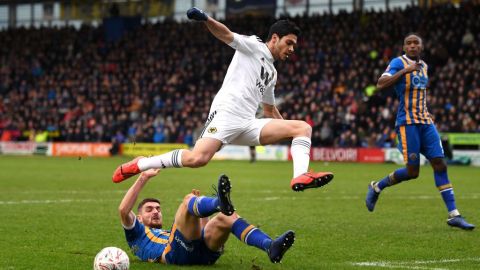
x=156 y=83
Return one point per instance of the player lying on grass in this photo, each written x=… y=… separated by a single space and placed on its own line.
x=193 y=239
x=417 y=134
x=249 y=82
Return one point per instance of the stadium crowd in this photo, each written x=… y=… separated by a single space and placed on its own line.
x=156 y=84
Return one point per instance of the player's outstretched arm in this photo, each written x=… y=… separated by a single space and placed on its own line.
x=218 y=29
x=128 y=201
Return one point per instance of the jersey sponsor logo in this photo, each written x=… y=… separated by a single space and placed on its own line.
x=261 y=88
x=419 y=81
x=265 y=79
x=212 y=130
x=265 y=76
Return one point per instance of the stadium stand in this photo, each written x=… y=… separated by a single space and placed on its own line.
x=155 y=85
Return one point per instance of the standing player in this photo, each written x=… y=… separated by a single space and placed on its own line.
x=415 y=129
x=250 y=81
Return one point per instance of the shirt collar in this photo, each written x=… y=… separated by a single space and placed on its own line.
x=410 y=60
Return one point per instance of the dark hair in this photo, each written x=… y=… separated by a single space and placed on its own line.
x=144 y=201
x=413 y=34
x=283 y=28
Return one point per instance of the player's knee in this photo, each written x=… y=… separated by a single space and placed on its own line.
x=413 y=174
x=226 y=221
x=187 y=199
x=303 y=129
x=439 y=165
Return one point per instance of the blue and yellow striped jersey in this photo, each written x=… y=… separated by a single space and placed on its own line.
x=411 y=91
x=146 y=243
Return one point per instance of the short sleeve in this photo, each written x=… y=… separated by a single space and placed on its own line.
x=246 y=44
x=394 y=66
x=135 y=231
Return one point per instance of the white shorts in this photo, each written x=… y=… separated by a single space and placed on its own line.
x=230 y=129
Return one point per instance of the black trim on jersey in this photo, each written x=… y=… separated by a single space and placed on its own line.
x=209 y=120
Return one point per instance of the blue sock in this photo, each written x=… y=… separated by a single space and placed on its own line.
x=446 y=189
x=203 y=206
x=251 y=235
x=393 y=178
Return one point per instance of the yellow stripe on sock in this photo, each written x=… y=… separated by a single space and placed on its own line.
x=245 y=232
x=195 y=207
x=443 y=187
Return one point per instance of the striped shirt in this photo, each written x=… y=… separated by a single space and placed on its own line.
x=146 y=243
x=411 y=90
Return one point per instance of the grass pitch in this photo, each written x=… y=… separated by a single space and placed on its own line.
x=57 y=213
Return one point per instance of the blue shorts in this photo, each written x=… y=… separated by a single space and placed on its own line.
x=414 y=140
x=180 y=251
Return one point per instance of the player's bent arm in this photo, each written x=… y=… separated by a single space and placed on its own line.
x=271 y=111
x=219 y=30
x=386 y=81
x=128 y=201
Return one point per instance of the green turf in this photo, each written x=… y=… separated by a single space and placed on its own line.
x=57 y=213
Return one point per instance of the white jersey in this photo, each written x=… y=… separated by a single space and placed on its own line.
x=250 y=79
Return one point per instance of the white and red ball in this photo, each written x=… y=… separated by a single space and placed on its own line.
x=111 y=258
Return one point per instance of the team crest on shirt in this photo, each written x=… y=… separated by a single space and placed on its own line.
x=413 y=156
x=212 y=130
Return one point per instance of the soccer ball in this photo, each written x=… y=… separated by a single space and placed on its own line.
x=111 y=258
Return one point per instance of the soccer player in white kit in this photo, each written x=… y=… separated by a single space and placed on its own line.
x=250 y=80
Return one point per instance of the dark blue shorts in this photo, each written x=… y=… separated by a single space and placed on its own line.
x=414 y=140
x=180 y=251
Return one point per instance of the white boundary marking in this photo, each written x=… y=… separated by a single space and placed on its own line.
x=52 y=201
x=413 y=264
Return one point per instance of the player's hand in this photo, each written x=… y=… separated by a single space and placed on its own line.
x=413 y=67
x=150 y=173
x=197 y=14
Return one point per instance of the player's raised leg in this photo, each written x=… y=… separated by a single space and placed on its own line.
x=199 y=156
x=409 y=146
x=277 y=130
x=396 y=177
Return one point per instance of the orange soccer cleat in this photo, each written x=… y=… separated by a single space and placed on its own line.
x=311 y=180
x=126 y=170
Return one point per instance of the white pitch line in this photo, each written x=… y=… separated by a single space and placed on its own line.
x=52 y=201
x=412 y=264
x=394 y=266
x=448 y=261
x=66 y=192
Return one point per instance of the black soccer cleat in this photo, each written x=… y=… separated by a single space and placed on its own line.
x=223 y=194
x=279 y=246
